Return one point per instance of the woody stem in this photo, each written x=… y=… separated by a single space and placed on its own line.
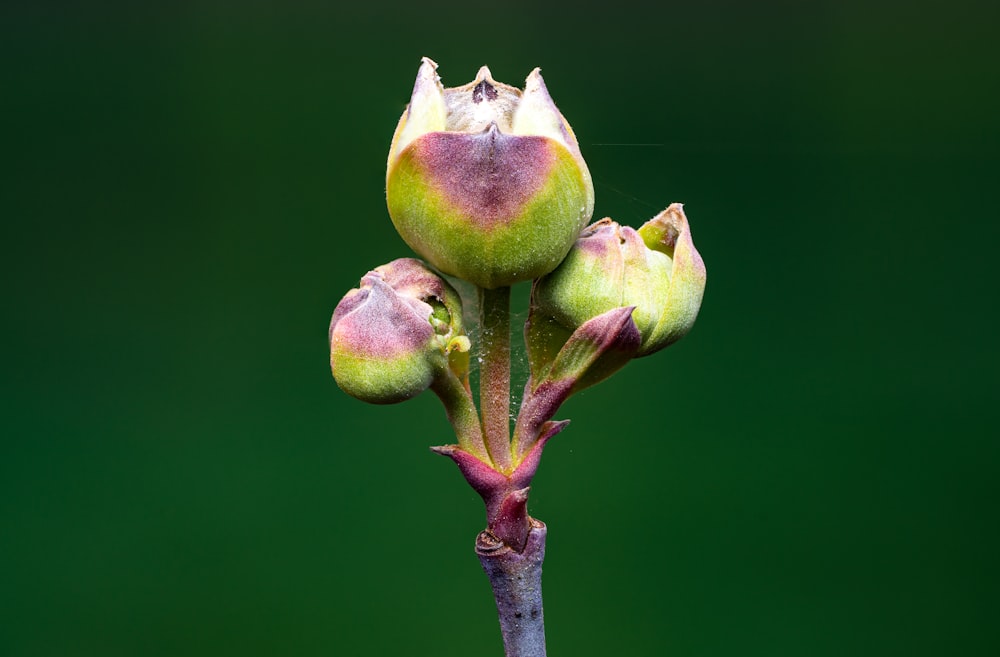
x=516 y=578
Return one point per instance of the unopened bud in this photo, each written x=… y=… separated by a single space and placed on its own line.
x=656 y=269
x=485 y=181
x=391 y=337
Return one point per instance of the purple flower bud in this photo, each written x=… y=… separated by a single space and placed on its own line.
x=486 y=181
x=391 y=337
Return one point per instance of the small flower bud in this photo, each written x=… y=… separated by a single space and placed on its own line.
x=656 y=269
x=485 y=181
x=390 y=338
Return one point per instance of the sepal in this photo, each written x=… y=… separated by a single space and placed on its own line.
x=505 y=496
x=597 y=349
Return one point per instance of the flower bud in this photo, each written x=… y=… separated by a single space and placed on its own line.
x=485 y=181
x=390 y=338
x=656 y=269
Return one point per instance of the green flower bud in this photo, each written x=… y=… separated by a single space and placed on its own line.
x=485 y=181
x=392 y=337
x=656 y=269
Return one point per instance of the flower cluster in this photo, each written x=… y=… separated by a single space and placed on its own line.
x=486 y=183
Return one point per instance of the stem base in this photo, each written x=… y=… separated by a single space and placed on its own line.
x=516 y=578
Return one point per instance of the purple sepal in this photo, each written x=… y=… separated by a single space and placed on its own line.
x=484 y=479
x=539 y=405
x=598 y=348
x=511 y=524
x=505 y=496
x=595 y=351
x=528 y=466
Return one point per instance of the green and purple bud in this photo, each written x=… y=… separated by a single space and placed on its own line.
x=485 y=181
x=656 y=269
x=392 y=337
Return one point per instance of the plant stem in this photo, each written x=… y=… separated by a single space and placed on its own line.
x=461 y=414
x=516 y=579
x=494 y=374
x=515 y=576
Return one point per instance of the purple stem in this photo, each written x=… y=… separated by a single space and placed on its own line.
x=516 y=578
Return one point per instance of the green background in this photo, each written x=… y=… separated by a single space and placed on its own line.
x=188 y=190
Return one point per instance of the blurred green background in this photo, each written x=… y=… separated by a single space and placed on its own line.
x=188 y=190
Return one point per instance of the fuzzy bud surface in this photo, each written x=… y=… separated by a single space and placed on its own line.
x=486 y=181
x=392 y=336
x=656 y=269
